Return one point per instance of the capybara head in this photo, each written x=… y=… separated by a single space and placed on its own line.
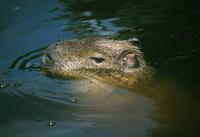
x=115 y=61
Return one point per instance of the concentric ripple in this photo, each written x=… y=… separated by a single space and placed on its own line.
x=29 y=61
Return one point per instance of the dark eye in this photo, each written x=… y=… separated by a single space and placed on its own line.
x=98 y=59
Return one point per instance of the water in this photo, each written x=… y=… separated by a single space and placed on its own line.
x=35 y=105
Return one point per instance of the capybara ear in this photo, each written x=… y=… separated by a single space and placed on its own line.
x=130 y=61
x=135 y=41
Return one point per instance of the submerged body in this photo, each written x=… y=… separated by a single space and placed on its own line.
x=114 y=61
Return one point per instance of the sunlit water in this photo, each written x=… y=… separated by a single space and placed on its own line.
x=35 y=105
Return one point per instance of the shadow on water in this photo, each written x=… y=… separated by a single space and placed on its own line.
x=169 y=106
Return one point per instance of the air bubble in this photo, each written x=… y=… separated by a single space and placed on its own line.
x=3 y=85
x=51 y=123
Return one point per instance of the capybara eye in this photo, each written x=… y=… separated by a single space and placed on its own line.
x=98 y=59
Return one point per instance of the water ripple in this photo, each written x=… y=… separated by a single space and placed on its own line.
x=28 y=61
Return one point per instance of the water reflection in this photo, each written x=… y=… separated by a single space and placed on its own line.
x=97 y=109
x=157 y=15
x=75 y=106
x=86 y=19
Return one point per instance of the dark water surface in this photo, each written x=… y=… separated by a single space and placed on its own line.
x=34 y=105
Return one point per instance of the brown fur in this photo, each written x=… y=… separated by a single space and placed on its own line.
x=80 y=59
